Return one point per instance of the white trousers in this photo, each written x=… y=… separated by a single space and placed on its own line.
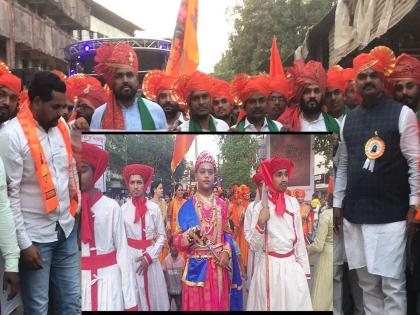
x=382 y=295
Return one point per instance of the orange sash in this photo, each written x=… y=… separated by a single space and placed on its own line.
x=42 y=170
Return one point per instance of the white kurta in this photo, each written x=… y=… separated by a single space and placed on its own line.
x=155 y=230
x=289 y=290
x=116 y=286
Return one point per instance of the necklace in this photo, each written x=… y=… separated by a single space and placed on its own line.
x=209 y=222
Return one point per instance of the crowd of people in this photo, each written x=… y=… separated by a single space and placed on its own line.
x=375 y=200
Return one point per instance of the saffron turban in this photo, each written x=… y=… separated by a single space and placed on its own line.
x=81 y=86
x=279 y=85
x=145 y=171
x=406 y=68
x=380 y=59
x=336 y=79
x=302 y=75
x=205 y=157
x=8 y=80
x=243 y=86
x=155 y=82
x=221 y=89
x=185 y=85
x=111 y=56
x=268 y=168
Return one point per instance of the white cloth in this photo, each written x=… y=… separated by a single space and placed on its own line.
x=116 y=285
x=289 y=290
x=132 y=121
x=409 y=132
x=317 y=125
x=218 y=123
x=155 y=230
x=32 y=223
x=9 y=248
x=251 y=127
x=368 y=245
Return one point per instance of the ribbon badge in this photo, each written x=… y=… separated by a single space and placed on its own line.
x=374 y=149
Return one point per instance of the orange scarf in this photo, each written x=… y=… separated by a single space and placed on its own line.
x=42 y=170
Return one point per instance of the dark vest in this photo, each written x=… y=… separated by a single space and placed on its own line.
x=381 y=196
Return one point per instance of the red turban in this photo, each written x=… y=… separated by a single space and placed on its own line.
x=243 y=86
x=299 y=193
x=205 y=157
x=111 y=56
x=221 y=89
x=8 y=80
x=301 y=75
x=185 y=85
x=155 y=82
x=257 y=178
x=279 y=85
x=86 y=87
x=268 y=168
x=98 y=159
x=406 y=68
x=380 y=59
x=336 y=79
x=146 y=172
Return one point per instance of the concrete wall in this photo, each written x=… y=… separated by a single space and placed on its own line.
x=102 y=27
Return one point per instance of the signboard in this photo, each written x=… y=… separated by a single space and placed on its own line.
x=98 y=140
x=297 y=148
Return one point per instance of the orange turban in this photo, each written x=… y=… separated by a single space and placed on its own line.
x=87 y=87
x=111 y=56
x=8 y=80
x=301 y=75
x=336 y=79
x=407 y=67
x=279 y=85
x=221 y=89
x=145 y=171
x=185 y=85
x=155 y=82
x=299 y=193
x=380 y=59
x=243 y=86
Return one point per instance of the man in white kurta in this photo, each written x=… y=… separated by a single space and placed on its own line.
x=107 y=274
x=284 y=244
x=145 y=235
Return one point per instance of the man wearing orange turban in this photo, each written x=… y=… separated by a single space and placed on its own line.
x=124 y=110
x=146 y=235
x=157 y=87
x=277 y=100
x=253 y=93
x=278 y=229
x=194 y=91
x=104 y=242
x=222 y=102
x=10 y=86
x=379 y=155
x=335 y=93
x=309 y=83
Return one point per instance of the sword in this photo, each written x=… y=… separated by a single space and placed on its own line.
x=213 y=252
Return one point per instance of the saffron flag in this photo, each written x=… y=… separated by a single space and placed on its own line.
x=182 y=145
x=276 y=66
x=184 y=56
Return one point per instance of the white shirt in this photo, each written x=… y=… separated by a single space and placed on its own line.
x=317 y=125
x=32 y=222
x=132 y=120
x=218 y=123
x=251 y=127
x=409 y=144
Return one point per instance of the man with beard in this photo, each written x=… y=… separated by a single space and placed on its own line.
x=406 y=79
x=376 y=191
x=277 y=100
x=253 y=92
x=309 y=82
x=157 y=87
x=10 y=86
x=118 y=64
x=335 y=93
x=88 y=94
x=194 y=91
x=44 y=197
x=222 y=102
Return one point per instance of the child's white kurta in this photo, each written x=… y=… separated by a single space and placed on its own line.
x=154 y=289
x=116 y=286
x=288 y=286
